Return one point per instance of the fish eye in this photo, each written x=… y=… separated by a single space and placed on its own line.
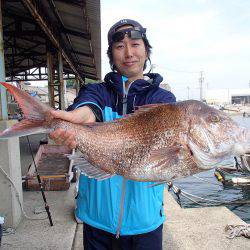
x=215 y=118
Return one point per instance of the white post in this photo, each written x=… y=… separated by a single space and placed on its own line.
x=10 y=164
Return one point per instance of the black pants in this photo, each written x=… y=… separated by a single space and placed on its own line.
x=96 y=239
x=1 y=234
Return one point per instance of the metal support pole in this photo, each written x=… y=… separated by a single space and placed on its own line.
x=50 y=72
x=62 y=87
x=3 y=96
x=77 y=86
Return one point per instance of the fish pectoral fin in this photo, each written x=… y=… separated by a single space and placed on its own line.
x=88 y=169
x=167 y=156
x=166 y=153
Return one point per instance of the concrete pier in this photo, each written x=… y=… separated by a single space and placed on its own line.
x=200 y=228
x=184 y=229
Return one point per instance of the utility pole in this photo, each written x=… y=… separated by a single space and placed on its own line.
x=188 y=88
x=201 y=79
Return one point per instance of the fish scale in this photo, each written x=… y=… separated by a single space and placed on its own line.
x=158 y=142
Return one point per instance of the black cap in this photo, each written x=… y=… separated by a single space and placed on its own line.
x=121 y=23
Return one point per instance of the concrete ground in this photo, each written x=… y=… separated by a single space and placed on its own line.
x=200 y=228
x=185 y=229
x=38 y=234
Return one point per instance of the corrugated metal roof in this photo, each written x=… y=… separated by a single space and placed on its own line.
x=29 y=27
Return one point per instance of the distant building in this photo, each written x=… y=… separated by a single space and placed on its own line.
x=228 y=96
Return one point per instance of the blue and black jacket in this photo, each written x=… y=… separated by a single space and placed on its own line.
x=117 y=205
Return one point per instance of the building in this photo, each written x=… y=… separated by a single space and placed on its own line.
x=228 y=96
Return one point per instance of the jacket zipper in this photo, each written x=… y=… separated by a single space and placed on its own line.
x=124 y=112
x=121 y=208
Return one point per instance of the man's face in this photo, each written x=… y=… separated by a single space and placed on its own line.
x=129 y=56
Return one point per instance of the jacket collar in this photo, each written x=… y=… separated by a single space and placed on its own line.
x=150 y=81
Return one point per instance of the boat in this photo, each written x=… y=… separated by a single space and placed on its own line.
x=232 y=176
x=245 y=163
x=235 y=175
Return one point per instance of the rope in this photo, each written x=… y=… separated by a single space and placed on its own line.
x=198 y=197
x=8 y=231
x=18 y=196
x=202 y=179
x=197 y=202
x=188 y=196
x=238 y=230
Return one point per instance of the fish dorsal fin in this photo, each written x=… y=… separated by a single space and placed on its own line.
x=138 y=110
x=149 y=106
x=88 y=169
x=31 y=107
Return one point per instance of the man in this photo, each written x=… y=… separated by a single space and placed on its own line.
x=117 y=210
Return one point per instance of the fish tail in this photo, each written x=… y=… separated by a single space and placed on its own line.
x=35 y=114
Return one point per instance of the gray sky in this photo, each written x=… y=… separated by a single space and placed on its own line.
x=189 y=36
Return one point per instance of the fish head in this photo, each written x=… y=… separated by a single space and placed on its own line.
x=214 y=136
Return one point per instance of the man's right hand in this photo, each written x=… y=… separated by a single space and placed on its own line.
x=78 y=116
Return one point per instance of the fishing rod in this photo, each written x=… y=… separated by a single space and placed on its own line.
x=40 y=185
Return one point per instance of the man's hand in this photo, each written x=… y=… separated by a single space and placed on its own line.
x=79 y=116
x=63 y=137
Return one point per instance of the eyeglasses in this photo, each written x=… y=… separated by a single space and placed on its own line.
x=133 y=34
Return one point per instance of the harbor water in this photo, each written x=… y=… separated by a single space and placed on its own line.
x=206 y=185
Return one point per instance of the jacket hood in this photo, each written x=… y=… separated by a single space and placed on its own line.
x=150 y=81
